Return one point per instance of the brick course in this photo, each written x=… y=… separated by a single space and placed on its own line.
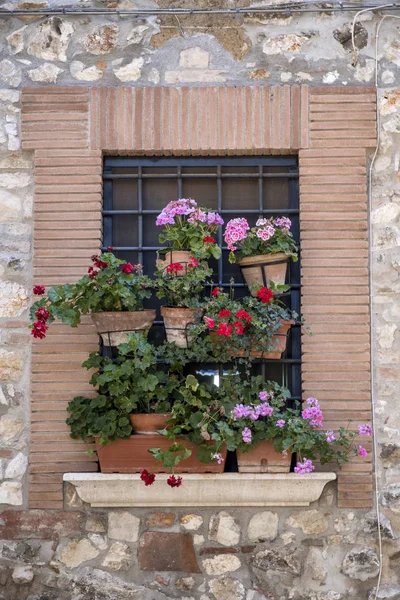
x=329 y=127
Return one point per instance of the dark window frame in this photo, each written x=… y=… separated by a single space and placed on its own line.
x=292 y=174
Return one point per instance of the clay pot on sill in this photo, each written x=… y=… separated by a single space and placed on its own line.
x=149 y=423
x=176 y=322
x=263 y=458
x=175 y=256
x=273 y=266
x=114 y=327
x=131 y=455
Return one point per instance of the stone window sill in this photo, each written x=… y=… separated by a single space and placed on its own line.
x=226 y=489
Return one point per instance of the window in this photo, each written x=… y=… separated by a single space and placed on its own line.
x=136 y=189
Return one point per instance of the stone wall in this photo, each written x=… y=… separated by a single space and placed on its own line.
x=320 y=553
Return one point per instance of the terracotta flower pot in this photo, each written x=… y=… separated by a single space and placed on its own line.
x=114 y=327
x=131 y=456
x=176 y=321
x=274 y=267
x=143 y=423
x=263 y=459
x=175 y=256
x=279 y=341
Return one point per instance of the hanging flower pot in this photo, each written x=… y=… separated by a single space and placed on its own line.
x=114 y=327
x=176 y=323
x=173 y=257
x=263 y=458
x=279 y=342
x=261 y=269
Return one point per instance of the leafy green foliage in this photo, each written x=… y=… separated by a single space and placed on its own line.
x=133 y=383
x=186 y=289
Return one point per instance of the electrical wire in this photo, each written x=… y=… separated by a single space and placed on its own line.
x=314 y=6
x=378 y=141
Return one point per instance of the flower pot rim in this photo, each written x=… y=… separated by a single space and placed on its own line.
x=123 y=312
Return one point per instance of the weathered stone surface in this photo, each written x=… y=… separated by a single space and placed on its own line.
x=194 y=58
x=195 y=75
x=167 y=552
x=191 y=522
x=361 y=564
x=11 y=493
x=137 y=34
x=185 y=583
x=123 y=526
x=102 y=40
x=118 y=558
x=160 y=519
x=82 y=73
x=10 y=203
x=11 y=363
x=15 y=40
x=100 y=541
x=10 y=427
x=14 y=298
x=284 y=43
x=10 y=73
x=263 y=526
x=276 y=560
x=385 y=592
x=17 y=466
x=226 y=589
x=22 y=574
x=391 y=497
x=130 y=72
x=95 y=524
x=371 y=521
x=311 y=522
x=315 y=565
x=75 y=553
x=25 y=524
x=224 y=529
x=46 y=73
x=51 y=39
x=344 y=36
x=221 y=563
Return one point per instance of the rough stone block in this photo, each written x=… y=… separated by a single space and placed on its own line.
x=167 y=552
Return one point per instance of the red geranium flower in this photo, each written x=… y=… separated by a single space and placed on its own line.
x=128 y=268
x=244 y=315
x=209 y=240
x=92 y=273
x=239 y=327
x=39 y=290
x=110 y=248
x=193 y=262
x=174 y=268
x=224 y=313
x=42 y=314
x=147 y=477
x=215 y=292
x=174 y=481
x=224 y=329
x=39 y=330
x=265 y=295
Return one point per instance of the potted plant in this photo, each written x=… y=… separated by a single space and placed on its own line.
x=250 y=326
x=182 y=288
x=271 y=432
x=263 y=251
x=133 y=396
x=112 y=292
x=195 y=430
x=189 y=230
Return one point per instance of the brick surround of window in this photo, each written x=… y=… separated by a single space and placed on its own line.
x=330 y=128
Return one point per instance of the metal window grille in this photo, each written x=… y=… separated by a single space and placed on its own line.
x=136 y=189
